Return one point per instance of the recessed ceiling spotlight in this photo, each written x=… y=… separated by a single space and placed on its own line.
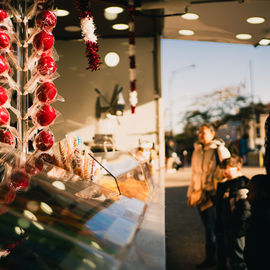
x=72 y=28
x=61 y=12
x=264 y=41
x=114 y=10
x=190 y=16
x=255 y=20
x=186 y=32
x=110 y=16
x=120 y=26
x=243 y=36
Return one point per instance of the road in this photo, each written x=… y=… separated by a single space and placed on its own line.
x=184 y=231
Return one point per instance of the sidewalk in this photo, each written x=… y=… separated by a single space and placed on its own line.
x=184 y=231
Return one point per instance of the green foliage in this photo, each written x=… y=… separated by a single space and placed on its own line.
x=218 y=108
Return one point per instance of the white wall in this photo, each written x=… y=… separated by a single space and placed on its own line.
x=77 y=84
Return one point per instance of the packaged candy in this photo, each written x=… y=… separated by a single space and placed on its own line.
x=34 y=165
x=4 y=73
x=45 y=93
x=44 y=140
x=3 y=96
x=43 y=117
x=46 y=19
x=6 y=48
x=4 y=116
x=19 y=179
x=6 y=137
x=45 y=71
x=43 y=42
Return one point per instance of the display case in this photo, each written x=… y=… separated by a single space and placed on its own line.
x=61 y=221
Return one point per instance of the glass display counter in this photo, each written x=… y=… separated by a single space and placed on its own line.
x=61 y=221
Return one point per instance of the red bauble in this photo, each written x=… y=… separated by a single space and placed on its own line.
x=19 y=179
x=45 y=115
x=6 y=137
x=44 y=140
x=3 y=96
x=3 y=15
x=34 y=166
x=46 y=19
x=46 y=66
x=46 y=92
x=7 y=194
x=4 y=39
x=43 y=41
x=4 y=116
x=3 y=64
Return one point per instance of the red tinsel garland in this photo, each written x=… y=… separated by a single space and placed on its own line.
x=87 y=26
x=132 y=63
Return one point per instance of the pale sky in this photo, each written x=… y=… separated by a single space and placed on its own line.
x=218 y=65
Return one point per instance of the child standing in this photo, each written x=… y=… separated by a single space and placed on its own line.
x=258 y=234
x=233 y=211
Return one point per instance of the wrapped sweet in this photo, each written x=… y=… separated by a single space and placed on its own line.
x=34 y=166
x=46 y=92
x=43 y=41
x=4 y=116
x=3 y=15
x=6 y=137
x=45 y=115
x=46 y=19
x=44 y=140
x=19 y=179
x=4 y=39
x=3 y=96
x=5 y=71
x=46 y=66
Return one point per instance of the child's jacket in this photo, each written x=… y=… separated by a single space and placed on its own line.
x=233 y=208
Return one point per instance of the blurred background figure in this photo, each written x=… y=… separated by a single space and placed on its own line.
x=173 y=161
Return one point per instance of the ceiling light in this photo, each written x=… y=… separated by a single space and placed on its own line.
x=72 y=28
x=112 y=59
x=190 y=16
x=110 y=16
x=120 y=26
x=61 y=12
x=243 y=36
x=264 y=41
x=255 y=20
x=185 y=32
x=114 y=10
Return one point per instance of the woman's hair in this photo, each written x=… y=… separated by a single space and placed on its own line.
x=234 y=161
x=208 y=125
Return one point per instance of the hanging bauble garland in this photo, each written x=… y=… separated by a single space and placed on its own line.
x=88 y=32
x=267 y=145
x=132 y=63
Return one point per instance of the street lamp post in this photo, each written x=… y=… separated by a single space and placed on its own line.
x=170 y=82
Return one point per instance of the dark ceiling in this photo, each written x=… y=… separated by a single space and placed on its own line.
x=147 y=23
x=220 y=20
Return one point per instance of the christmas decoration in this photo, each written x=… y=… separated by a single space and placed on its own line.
x=88 y=33
x=132 y=63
